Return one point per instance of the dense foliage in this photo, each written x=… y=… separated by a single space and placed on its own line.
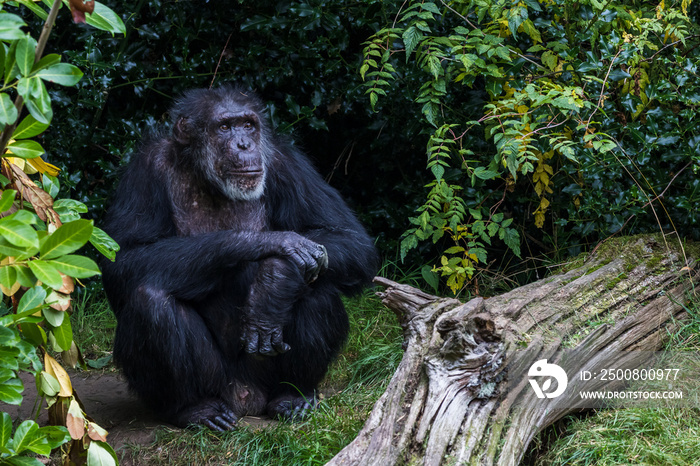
x=591 y=114
x=548 y=125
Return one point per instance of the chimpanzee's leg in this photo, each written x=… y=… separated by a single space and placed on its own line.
x=316 y=333
x=170 y=359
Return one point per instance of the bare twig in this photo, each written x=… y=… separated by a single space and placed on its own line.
x=216 y=70
x=602 y=89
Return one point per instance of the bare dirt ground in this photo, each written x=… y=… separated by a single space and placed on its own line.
x=110 y=404
x=107 y=401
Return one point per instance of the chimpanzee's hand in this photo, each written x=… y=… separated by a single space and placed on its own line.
x=311 y=258
x=263 y=339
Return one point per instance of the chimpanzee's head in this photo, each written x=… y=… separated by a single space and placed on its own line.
x=225 y=137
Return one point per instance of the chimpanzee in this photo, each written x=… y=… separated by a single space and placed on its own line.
x=233 y=254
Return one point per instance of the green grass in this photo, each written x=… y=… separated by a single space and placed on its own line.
x=663 y=437
x=665 y=434
x=93 y=327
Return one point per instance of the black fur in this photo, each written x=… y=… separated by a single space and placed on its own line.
x=219 y=310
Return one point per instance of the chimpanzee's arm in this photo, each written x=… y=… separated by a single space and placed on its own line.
x=300 y=200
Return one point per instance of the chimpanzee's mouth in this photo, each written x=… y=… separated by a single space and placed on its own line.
x=248 y=173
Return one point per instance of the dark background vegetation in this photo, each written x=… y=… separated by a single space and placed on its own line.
x=303 y=58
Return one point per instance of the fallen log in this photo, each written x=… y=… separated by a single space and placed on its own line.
x=462 y=395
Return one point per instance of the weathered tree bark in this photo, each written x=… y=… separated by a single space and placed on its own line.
x=461 y=393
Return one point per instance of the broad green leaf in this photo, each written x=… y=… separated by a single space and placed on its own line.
x=47 y=61
x=62 y=73
x=33 y=298
x=10 y=26
x=7 y=199
x=46 y=273
x=8 y=358
x=50 y=184
x=55 y=435
x=24 y=55
x=104 y=243
x=411 y=37
x=70 y=204
x=41 y=115
x=24 y=434
x=63 y=335
x=40 y=103
x=3 y=52
x=27 y=353
x=34 y=333
x=8 y=249
x=29 y=87
x=49 y=384
x=105 y=19
x=29 y=128
x=8 y=276
x=11 y=70
x=53 y=317
x=101 y=454
x=11 y=391
x=25 y=277
x=26 y=149
x=68 y=238
x=36 y=9
x=76 y=266
x=8 y=111
x=24 y=216
x=39 y=444
x=5 y=428
x=18 y=233
x=430 y=277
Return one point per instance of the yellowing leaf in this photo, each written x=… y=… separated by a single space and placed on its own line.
x=21 y=163
x=58 y=301
x=43 y=167
x=550 y=60
x=10 y=291
x=539 y=219
x=16 y=285
x=54 y=368
x=96 y=432
x=539 y=188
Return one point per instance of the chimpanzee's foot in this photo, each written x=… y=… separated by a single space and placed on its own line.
x=214 y=414
x=292 y=406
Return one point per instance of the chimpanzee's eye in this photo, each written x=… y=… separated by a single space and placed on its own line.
x=248 y=125
x=224 y=126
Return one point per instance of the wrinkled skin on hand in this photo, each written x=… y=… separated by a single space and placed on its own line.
x=311 y=258
x=265 y=340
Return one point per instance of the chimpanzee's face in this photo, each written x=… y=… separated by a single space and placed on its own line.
x=236 y=151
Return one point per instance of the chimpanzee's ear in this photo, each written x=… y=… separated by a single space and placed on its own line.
x=181 y=131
